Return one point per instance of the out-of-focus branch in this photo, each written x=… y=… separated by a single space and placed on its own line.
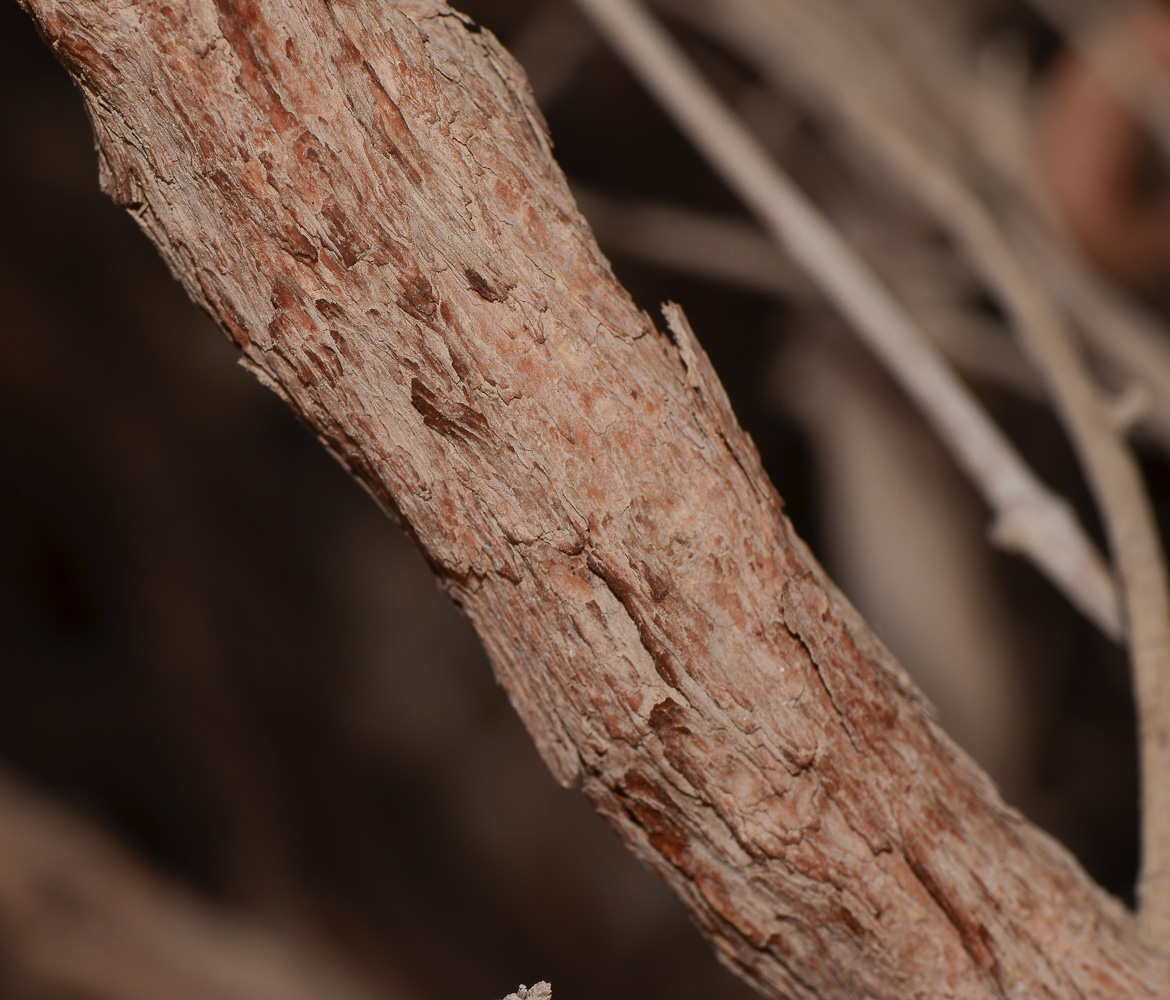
x=787 y=32
x=80 y=916
x=1119 y=331
x=1029 y=518
x=712 y=245
x=725 y=249
x=974 y=99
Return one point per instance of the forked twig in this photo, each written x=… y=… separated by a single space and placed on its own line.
x=1117 y=329
x=1120 y=332
x=83 y=916
x=1112 y=471
x=1028 y=517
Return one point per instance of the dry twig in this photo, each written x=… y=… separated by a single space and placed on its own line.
x=765 y=30
x=1119 y=331
x=1029 y=518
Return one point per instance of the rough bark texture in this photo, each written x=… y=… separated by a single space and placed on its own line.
x=364 y=197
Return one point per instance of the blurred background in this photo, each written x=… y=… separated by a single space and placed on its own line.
x=248 y=750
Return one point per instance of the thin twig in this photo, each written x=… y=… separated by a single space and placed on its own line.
x=1110 y=467
x=1029 y=518
x=1117 y=329
x=725 y=249
x=938 y=49
x=713 y=245
x=83 y=917
x=1120 y=331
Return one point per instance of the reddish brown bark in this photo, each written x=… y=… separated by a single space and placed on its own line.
x=365 y=199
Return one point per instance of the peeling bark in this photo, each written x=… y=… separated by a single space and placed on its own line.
x=364 y=197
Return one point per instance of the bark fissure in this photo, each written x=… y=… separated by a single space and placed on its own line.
x=625 y=594
x=972 y=937
x=819 y=671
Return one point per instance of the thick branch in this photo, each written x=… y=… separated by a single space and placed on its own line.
x=364 y=197
x=1029 y=518
x=810 y=40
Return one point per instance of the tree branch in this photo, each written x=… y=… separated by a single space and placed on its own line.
x=364 y=197
x=806 y=36
x=1029 y=518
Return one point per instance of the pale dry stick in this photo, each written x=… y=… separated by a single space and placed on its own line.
x=1117 y=328
x=725 y=249
x=938 y=50
x=976 y=347
x=936 y=287
x=1111 y=468
x=1029 y=518
x=1119 y=331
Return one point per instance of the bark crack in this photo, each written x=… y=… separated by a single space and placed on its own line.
x=793 y=628
x=974 y=937
x=661 y=655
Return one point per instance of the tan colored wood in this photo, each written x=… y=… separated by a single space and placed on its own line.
x=364 y=196
x=541 y=991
